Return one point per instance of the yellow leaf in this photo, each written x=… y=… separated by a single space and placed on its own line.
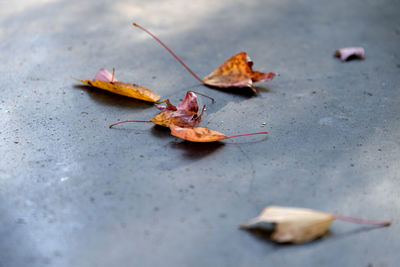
x=164 y=118
x=125 y=89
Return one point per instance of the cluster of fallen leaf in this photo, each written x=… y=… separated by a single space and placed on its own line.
x=183 y=119
x=293 y=225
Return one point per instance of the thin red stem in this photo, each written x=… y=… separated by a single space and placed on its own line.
x=361 y=221
x=170 y=51
x=112 y=77
x=238 y=135
x=111 y=125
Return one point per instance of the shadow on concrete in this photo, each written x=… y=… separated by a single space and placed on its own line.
x=161 y=132
x=263 y=89
x=244 y=92
x=110 y=99
x=196 y=150
x=236 y=140
x=356 y=231
x=264 y=235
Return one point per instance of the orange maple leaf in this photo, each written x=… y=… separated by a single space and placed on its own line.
x=235 y=72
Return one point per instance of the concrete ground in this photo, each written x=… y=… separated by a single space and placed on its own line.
x=75 y=193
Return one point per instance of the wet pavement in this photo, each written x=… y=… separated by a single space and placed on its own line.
x=75 y=193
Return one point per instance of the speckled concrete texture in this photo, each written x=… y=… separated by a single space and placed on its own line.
x=75 y=193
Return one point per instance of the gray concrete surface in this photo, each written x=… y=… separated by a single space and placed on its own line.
x=75 y=193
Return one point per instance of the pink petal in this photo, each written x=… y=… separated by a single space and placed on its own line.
x=104 y=75
x=345 y=53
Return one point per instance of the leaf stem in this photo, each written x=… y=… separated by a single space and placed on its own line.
x=238 y=135
x=209 y=97
x=112 y=77
x=361 y=221
x=161 y=101
x=111 y=125
x=169 y=50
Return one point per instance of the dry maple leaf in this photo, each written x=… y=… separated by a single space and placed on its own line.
x=106 y=81
x=182 y=118
x=298 y=225
x=349 y=52
x=185 y=114
x=189 y=103
x=200 y=134
x=235 y=72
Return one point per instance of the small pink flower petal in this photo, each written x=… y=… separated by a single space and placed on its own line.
x=345 y=53
x=104 y=75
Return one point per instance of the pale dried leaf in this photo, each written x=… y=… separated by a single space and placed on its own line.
x=294 y=225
